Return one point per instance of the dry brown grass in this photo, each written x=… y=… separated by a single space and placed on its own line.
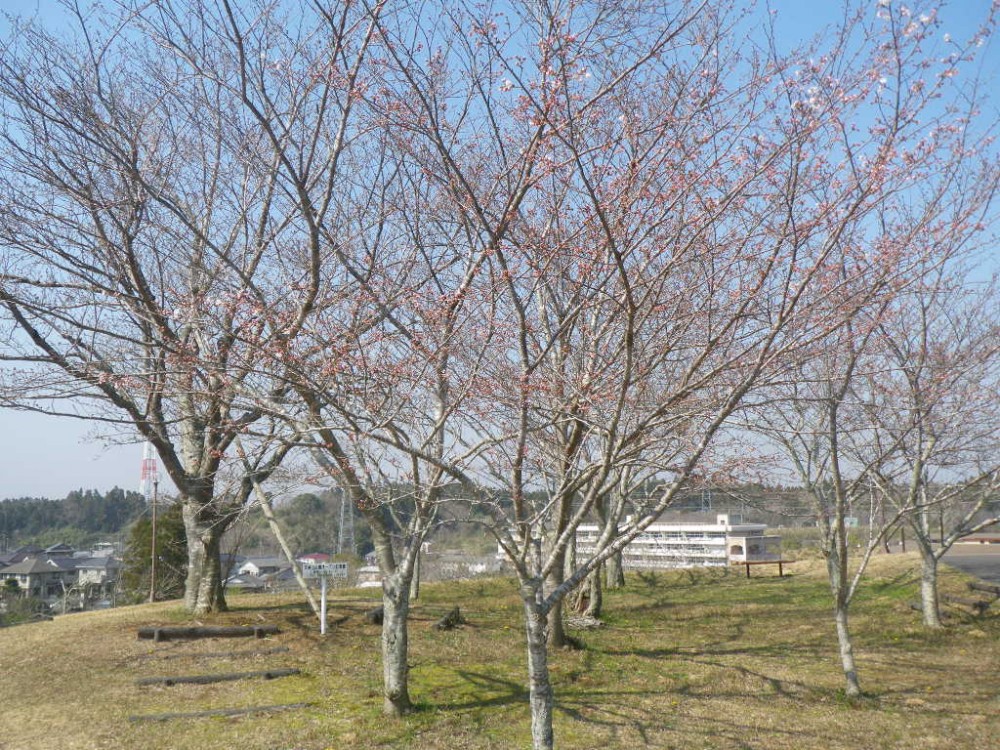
x=692 y=660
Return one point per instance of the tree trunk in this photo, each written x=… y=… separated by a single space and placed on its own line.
x=556 y=631
x=279 y=535
x=203 y=587
x=539 y=685
x=853 y=688
x=396 y=581
x=395 y=670
x=596 y=602
x=929 y=588
x=836 y=566
x=615 y=572
x=415 y=579
x=887 y=539
x=569 y=563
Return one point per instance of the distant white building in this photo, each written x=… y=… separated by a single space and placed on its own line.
x=691 y=545
x=262 y=566
x=103 y=549
x=369 y=577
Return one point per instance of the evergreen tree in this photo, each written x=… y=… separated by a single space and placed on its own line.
x=171 y=556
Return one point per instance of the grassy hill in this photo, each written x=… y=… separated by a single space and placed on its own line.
x=689 y=659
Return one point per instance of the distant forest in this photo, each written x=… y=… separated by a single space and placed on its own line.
x=77 y=519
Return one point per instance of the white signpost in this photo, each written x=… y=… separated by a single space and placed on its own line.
x=322 y=571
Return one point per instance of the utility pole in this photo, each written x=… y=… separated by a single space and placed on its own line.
x=345 y=533
x=152 y=553
x=149 y=484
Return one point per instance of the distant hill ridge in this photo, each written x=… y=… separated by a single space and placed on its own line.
x=81 y=514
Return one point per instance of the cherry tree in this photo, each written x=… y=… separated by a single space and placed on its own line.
x=816 y=422
x=543 y=251
x=380 y=367
x=335 y=284
x=653 y=222
x=933 y=401
x=673 y=222
x=355 y=296
x=154 y=174
x=831 y=419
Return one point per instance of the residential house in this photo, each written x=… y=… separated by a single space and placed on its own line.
x=44 y=578
x=98 y=575
x=230 y=563
x=261 y=566
x=281 y=580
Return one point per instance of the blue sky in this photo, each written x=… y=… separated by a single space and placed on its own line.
x=47 y=456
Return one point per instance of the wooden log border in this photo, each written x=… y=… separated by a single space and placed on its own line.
x=989 y=588
x=977 y=605
x=208 y=679
x=201 y=631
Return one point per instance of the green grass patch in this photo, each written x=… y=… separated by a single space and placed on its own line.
x=700 y=659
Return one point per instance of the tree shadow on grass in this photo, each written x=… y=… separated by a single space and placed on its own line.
x=626 y=714
x=644 y=713
x=502 y=692
x=777 y=650
x=590 y=706
x=775 y=687
x=729 y=655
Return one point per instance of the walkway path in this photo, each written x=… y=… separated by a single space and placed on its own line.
x=980 y=560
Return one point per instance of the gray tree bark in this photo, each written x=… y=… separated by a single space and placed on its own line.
x=556 y=629
x=929 y=601
x=596 y=603
x=615 y=572
x=203 y=586
x=395 y=638
x=840 y=588
x=539 y=684
x=415 y=579
x=853 y=686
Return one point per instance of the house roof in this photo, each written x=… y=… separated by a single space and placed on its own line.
x=315 y=557
x=33 y=566
x=66 y=564
x=23 y=553
x=59 y=549
x=28 y=549
x=266 y=562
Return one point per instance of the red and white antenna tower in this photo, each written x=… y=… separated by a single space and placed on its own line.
x=149 y=476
